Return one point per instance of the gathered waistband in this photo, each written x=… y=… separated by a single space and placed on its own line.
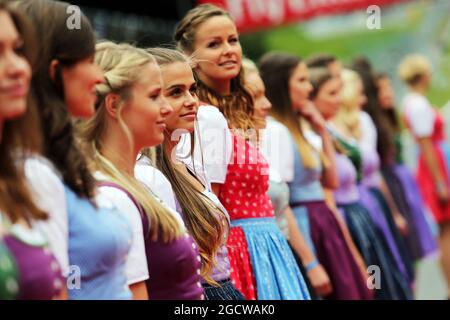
x=252 y=221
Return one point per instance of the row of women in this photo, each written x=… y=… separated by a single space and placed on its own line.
x=131 y=173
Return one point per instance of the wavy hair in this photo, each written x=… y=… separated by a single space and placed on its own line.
x=20 y=138
x=238 y=106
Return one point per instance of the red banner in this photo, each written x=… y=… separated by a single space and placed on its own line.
x=251 y=15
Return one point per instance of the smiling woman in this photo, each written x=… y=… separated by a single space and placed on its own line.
x=27 y=270
x=261 y=261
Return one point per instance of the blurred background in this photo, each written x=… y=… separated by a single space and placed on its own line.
x=307 y=27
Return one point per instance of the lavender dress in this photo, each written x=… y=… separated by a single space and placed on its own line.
x=368 y=238
x=372 y=198
x=420 y=241
x=308 y=203
x=221 y=271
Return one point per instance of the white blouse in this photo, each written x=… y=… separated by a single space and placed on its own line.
x=48 y=192
x=419 y=113
x=276 y=146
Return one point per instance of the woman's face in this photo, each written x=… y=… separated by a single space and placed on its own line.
x=299 y=87
x=146 y=111
x=179 y=89
x=217 y=50
x=79 y=81
x=385 y=93
x=328 y=99
x=15 y=72
x=257 y=89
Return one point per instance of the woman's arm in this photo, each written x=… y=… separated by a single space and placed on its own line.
x=139 y=291
x=329 y=175
x=431 y=161
x=401 y=223
x=317 y=275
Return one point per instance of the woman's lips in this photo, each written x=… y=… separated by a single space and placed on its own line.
x=189 y=116
x=15 y=91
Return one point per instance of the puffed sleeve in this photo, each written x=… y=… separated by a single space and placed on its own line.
x=368 y=131
x=420 y=115
x=277 y=148
x=155 y=180
x=136 y=268
x=49 y=195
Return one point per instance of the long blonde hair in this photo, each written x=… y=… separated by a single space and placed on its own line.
x=121 y=64
x=199 y=211
x=348 y=115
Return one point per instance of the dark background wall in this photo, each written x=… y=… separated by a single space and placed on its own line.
x=145 y=23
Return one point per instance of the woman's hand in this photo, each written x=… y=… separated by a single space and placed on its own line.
x=320 y=280
x=443 y=193
x=310 y=113
x=401 y=224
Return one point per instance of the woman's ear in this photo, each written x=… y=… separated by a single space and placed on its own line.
x=52 y=69
x=111 y=104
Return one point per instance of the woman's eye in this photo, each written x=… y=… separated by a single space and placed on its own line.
x=234 y=40
x=20 y=50
x=154 y=96
x=175 y=92
x=213 y=44
x=193 y=90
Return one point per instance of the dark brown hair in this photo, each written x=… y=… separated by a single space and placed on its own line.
x=321 y=60
x=318 y=77
x=20 y=139
x=385 y=131
x=56 y=41
x=276 y=69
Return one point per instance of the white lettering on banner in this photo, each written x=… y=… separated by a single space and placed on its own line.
x=236 y=9
x=256 y=9
x=276 y=11
x=374 y=19
x=74 y=20
x=297 y=6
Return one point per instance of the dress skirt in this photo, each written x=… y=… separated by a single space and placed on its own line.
x=274 y=267
x=333 y=253
x=383 y=274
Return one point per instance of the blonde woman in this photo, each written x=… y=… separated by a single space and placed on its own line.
x=428 y=128
x=205 y=217
x=130 y=116
x=348 y=124
x=210 y=33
